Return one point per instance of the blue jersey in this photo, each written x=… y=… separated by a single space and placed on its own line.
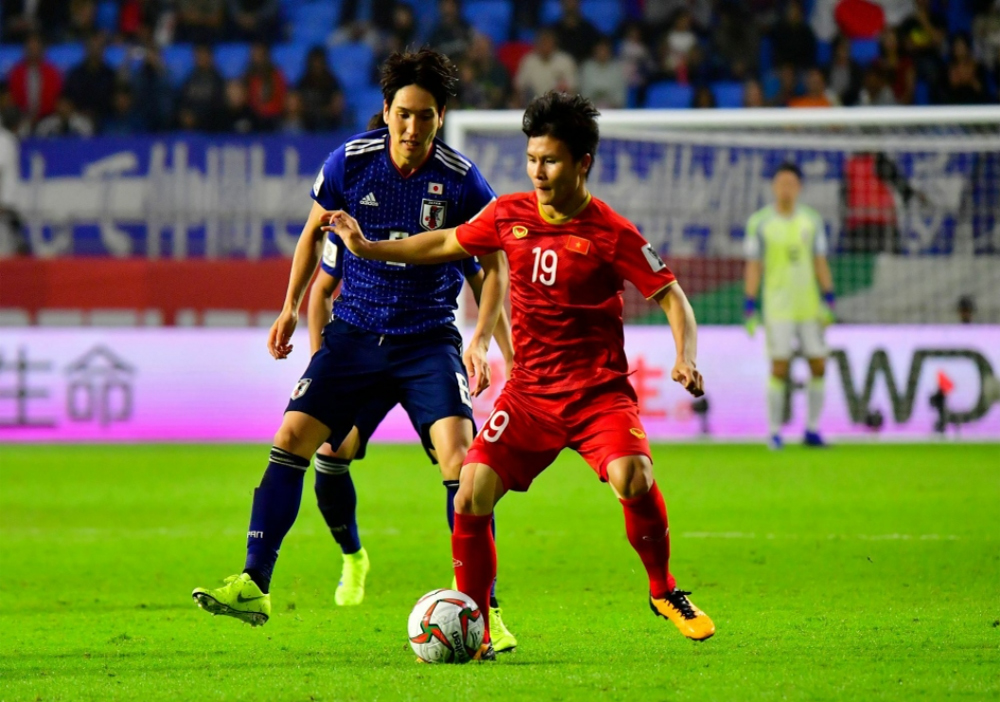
x=361 y=179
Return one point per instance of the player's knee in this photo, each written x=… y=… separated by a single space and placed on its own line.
x=293 y=440
x=631 y=476
x=817 y=367
x=779 y=370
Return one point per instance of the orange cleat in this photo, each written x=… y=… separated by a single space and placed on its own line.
x=690 y=620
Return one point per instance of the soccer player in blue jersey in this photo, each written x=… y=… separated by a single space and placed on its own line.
x=393 y=334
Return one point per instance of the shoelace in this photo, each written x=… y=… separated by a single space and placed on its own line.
x=678 y=598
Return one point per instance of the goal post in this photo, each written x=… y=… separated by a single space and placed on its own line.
x=910 y=197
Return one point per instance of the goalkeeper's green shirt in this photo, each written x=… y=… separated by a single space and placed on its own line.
x=786 y=246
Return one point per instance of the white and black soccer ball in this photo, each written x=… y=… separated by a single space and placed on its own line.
x=446 y=626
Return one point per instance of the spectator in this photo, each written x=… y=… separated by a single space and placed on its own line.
x=200 y=21
x=152 y=92
x=659 y=15
x=871 y=220
x=678 y=49
x=19 y=19
x=859 y=19
x=703 y=98
x=545 y=68
x=293 y=123
x=602 y=78
x=254 y=20
x=204 y=92
x=238 y=117
x=65 y=121
x=321 y=95
x=574 y=33
x=82 y=20
x=965 y=79
x=875 y=90
x=451 y=35
x=817 y=94
x=471 y=94
x=897 y=67
x=490 y=74
x=986 y=38
x=788 y=82
x=364 y=21
x=266 y=88
x=91 y=84
x=35 y=83
x=844 y=75
x=12 y=240
x=635 y=56
x=735 y=42
x=123 y=120
x=753 y=93
x=139 y=20
x=793 y=39
x=402 y=32
x=923 y=34
x=10 y=115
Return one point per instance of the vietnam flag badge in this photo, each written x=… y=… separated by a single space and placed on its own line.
x=578 y=245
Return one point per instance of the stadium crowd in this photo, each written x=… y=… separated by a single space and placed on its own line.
x=127 y=78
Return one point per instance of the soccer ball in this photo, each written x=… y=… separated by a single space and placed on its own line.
x=445 y=626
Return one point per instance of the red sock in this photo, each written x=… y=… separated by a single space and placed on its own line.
x=646 y=526
x=474 y=555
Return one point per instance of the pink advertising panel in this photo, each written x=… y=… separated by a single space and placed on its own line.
x=109 y=385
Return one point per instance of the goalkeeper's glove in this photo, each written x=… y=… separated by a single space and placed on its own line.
x=826 y=309
x=750 y=317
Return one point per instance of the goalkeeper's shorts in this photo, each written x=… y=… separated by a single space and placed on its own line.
x=784 y=337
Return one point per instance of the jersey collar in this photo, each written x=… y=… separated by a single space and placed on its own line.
x=567 y=218
x=388 y=155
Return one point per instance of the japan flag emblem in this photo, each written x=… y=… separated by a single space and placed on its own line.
x=301 y=387
x=433 y=213
x=435 y=188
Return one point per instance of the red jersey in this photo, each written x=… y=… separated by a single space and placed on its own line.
x=567 y=279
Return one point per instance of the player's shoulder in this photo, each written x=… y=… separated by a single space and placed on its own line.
x=365 y=143
x=516 y=204
x=809 y=212
x=759 y=217
x=452 y=160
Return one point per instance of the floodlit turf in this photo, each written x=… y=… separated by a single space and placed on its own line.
x=861 y=572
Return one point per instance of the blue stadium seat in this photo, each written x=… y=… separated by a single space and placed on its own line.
x=65 y=56
x=668 y=94
x=312 y=22
x=864 y=51
x=9 y=55
x=107 y=16
x=364 y=102
x=180 y=60
x=766 y=55
x=352 y=63
x=959 y=16
x=606 y=15
x=490 y=17
x=232 y=59
x=115 y=55
x=824 y=52
x=291 y=59
x=728 y=94
x=922 y=93
x=551 y=12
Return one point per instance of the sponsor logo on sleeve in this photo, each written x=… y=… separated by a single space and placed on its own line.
x=318 y=183
x=653 y=259
x=330 y=254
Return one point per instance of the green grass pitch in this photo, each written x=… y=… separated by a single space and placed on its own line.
x=860 y=572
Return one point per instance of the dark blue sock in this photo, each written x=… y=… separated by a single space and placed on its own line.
x=451 y=486
x=338 y=501
x=275 y=506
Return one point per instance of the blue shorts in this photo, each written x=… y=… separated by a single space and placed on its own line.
x=357 y=376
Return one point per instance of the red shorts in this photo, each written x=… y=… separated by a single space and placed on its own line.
x=527 y=431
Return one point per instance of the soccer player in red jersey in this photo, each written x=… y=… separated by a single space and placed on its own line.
x=569 y=255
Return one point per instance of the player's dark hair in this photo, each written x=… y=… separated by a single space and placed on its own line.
x=376 y=121
x=428 y=69
x=789 y=167
x=571 y=119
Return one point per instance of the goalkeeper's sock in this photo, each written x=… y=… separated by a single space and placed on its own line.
x=275 y=506
x=451 y=488
x=338 y=501
x=474 y=556
x=647 y=531
x=816 y=393
x=775 y=405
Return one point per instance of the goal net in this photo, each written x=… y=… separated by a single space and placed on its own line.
x=910 y=198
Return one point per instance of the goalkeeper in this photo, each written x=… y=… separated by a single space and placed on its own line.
x=786 y=244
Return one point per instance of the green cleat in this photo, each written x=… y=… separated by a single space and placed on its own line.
x=351 y=590
x=503 y=641
x=239 y=597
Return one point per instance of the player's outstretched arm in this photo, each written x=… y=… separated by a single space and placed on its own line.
x=825 y=280
x=320 y=307
x=680 y=314
x=438 y=246
x=502 y=333
x=495 y=282
x=307 y=254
